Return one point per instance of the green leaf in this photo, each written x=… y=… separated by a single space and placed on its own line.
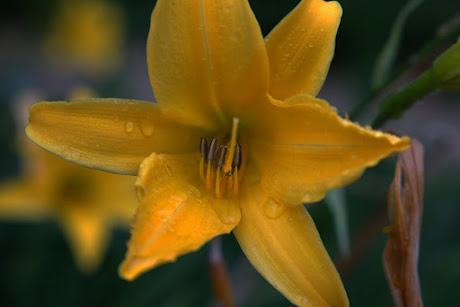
x=337 y=204
x=386 y=59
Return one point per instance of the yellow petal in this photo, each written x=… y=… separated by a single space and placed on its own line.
x=87 y=232
x=300 y=48
x=19 y=199
x=175 y=216
x=206 y=58
x=303 y=148
x=108 y=134
x=284 y=246
x=86 y=202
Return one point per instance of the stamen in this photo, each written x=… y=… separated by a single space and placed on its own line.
x=237 y=157
x=233 y=137
x=212 y=150
x=209 y=176
x=209 y=160
x=220 y=157
x=219 y=166
x=203 y=147
x=218 y=181
x=219 y=163
x=204 y=151
x=202 y=166
x=235 y=182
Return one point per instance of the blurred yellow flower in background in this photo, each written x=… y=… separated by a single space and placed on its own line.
x=87 y=35
x=86 y=203
x=218 y=83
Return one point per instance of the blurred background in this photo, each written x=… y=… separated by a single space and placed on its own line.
x=59 y=49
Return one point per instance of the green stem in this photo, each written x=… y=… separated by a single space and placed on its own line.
x=396 y=104
x=446 y=33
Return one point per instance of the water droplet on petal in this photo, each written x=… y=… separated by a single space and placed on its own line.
x=129 y=126
x=227 y=219
x=273 y=209
x=311 y=45
x=124 y=107
x=147 y=128
x=116 y=118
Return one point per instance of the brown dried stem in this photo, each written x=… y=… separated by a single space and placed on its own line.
x=219 y=275
x=405 y=205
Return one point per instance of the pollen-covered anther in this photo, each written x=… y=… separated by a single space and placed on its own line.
x=212 y=171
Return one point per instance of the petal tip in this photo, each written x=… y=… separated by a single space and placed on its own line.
x=133 y=266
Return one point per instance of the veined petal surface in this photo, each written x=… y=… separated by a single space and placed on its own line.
x=303 y=148
x=300 y=48
x=114 y=135
x=284 y=246
x=175 y=216
x=206 y=58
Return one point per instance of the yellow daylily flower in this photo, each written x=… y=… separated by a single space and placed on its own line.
x=87 y=203
x=237 y=141
x=86 y=35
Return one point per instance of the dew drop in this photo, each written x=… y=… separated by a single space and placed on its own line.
x=311 y=45
x=129 y=126
x=116 y=118
x=124 y=107
x=273 y=209
x=227 y=219
x=304 y=28
x=147 y=128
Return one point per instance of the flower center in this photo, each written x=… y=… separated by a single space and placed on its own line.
x=220 y=165
x=75 y=189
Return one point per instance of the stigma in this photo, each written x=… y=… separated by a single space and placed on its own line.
x=220 y=164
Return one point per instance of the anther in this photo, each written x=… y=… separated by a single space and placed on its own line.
x=212 y=150
x=220 y=157
x=209 y=160
x=203 y=147
x=236 y=163
x=204 y=152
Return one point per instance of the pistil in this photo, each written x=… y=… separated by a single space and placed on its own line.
x=233 y=139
